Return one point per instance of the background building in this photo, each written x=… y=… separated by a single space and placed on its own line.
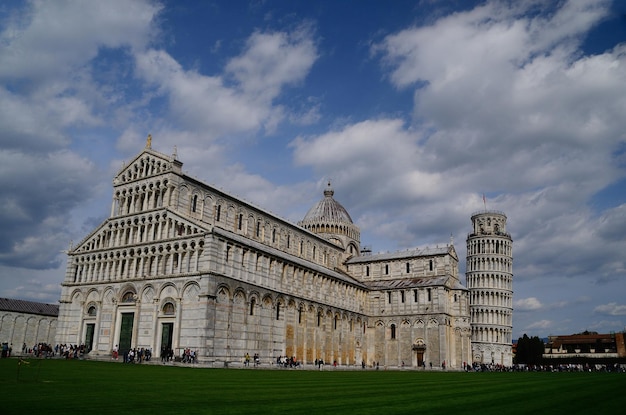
x=180 y=264
x=585 y=348
x=489 y=277
x=27 y=322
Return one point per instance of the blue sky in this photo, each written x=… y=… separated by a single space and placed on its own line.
x=414 y=110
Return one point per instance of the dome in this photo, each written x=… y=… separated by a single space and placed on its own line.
x=328 y=210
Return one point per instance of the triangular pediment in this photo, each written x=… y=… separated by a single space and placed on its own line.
x=452 y=252
x=104 y=237
x=147 y=164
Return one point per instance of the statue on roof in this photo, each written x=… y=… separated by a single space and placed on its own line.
x=149 y=141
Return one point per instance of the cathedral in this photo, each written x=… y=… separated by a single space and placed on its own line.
x=180 y=265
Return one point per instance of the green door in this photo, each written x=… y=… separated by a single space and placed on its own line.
x=167 y=331
x=89 y=337
x=126 y=332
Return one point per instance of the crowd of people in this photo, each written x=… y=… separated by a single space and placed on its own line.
x=285 y=361
x=137 y=355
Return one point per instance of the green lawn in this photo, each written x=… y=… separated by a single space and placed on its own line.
x=74 y=387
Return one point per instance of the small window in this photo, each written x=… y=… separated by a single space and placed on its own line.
x=389 y=297
x=240 y=221
x=252 y=304
x=194 y=203
x=277 y=311
x=415 y=296
x=92 y=311
x=386 y=269
x=367 y=270
x=393 y=332
x=402 y=296
x=319 y=319
x=429 y=294
x=408 y=267
x=258 y=229
x=335 y=325
x=218 y=213
x=430 y=265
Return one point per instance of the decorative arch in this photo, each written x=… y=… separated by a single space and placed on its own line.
x=223 y=293
x=168 y=290
x=239 y=297
x=191 y=290
x=147 y=294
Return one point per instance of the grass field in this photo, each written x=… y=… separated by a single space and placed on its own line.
x=73 y=387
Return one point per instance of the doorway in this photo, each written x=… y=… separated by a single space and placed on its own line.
x=419 y=350
x=89 y=337
x=126 y=332
x=167 y=331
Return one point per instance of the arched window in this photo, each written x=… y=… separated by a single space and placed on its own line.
x=194 y=203
x=168 y=309
x=252 y=304
x=277 y=311
x=129 y=297
x=393 y=332
x=91 y=311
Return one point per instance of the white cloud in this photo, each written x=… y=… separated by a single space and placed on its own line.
x=540 y=325
x=219 y=107
x=611 y=309
x=47 y=38
x=527 y=304
x=273 y=60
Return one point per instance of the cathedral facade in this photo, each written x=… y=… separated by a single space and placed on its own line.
x=180 y=264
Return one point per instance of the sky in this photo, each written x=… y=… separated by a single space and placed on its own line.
x=413 y=109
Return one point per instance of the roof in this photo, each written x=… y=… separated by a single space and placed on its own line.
x=291 y=258
x=409 y=253
x=327 y=210
x=29 y=307
x=406 y=283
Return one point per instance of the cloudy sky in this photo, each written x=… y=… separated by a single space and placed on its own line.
x=414 y=111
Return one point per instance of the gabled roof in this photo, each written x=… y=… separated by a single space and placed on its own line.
x=171 y=161
x=419 y=282
x=201 y=226
x=29 y=307
x=409 y=253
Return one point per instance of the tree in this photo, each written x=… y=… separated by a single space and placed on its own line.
x=529 y=350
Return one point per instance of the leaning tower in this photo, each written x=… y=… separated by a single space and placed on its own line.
x=489 y=278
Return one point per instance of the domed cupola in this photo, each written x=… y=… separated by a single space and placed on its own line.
x=329 y=219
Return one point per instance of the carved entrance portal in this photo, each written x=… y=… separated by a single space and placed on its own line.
x=419 y=348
